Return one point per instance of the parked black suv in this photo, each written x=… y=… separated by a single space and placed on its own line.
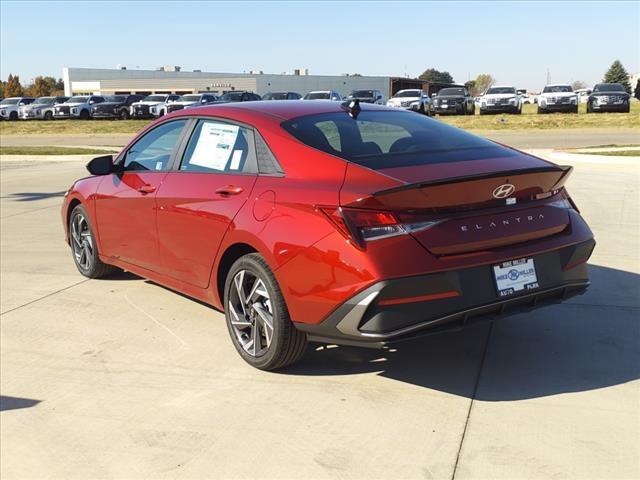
x=453 y=100
x=609 y=97
x=238 y=96
x=115 y=106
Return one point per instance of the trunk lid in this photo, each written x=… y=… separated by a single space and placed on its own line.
x=480 y=204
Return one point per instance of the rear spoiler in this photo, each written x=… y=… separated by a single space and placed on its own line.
x=564 y=170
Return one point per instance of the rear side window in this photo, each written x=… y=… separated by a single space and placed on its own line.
x=387 y=139
x=218 y=147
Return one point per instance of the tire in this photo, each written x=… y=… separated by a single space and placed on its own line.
x=589 y=109
x=83 y=246
x=519 y=110
x=161 y=114
x=13 y=116
x=260 y=346
x=628 y=109
x=124 y=115
x=482 y=112
x=84 y=114
x=575 y=110
x=48 y=115
x=541 y=111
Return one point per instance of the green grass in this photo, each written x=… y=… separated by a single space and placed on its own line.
x=616 y=153
x=529 y=120
x=71 y=127
x=53 y=151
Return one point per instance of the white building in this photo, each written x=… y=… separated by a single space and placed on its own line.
x=174 y=80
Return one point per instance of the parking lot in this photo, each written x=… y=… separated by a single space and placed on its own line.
x=121 y=378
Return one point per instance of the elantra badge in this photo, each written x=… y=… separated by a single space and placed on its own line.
x=504 y=190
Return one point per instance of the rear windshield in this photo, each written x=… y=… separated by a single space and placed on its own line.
x=383 y=139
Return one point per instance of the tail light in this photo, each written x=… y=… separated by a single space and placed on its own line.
x=361 y=226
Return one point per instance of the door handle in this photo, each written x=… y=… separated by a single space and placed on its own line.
x=229 y=190
x=146 y=188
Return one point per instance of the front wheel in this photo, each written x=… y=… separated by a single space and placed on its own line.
x=48 y=115
x=84 y=114
x=83 y=246
x=124 y=114
x=589 y=108
x=257 y=316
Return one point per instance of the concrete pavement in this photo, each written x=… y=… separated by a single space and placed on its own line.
x=121 y=378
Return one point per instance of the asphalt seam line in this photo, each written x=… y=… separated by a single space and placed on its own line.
x=473 y=397
x=46 y=296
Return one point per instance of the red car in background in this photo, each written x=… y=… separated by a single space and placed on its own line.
x=333 y=222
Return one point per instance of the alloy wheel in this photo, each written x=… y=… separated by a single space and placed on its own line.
x=251 y=313
x=82 y=241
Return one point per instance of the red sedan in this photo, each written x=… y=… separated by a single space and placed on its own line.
x=321 y=221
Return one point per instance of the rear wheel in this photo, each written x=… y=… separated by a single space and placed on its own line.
x=83 y=246
x=257 y=316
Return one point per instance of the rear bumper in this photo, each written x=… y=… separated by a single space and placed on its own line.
x=404 y=308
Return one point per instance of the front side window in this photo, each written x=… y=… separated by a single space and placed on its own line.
x=380 y=140
x=154 y=150
x=218 y=147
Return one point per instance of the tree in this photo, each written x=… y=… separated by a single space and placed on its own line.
x=637 y=92
x=433 y=75
x=470 y=85
x=617 y=74
x=40 y=88
x=481 y=83
x=578 y=84
x=13 y=88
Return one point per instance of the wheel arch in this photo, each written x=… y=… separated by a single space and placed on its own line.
x=228 y=258
x=73 y=203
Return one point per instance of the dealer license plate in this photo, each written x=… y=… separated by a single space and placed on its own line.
x=515 y=276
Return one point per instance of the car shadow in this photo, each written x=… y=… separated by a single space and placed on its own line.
x=587 y=343
x=33 y=196
x=15 y=403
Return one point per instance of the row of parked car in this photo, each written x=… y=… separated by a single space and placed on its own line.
x=450 y=100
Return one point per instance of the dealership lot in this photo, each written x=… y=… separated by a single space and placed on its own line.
x=121 y=378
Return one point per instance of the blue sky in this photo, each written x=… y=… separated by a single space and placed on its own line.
x=516 y=42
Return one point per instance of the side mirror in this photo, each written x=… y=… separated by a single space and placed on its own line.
x=101 y=165
x=434 y=94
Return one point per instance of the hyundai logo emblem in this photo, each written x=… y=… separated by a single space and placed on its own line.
x=504 y=190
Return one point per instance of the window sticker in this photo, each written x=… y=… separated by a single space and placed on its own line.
x=214 y=146
x=235 y=159
x=158 y=165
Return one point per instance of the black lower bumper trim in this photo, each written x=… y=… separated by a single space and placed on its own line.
x=453 y=299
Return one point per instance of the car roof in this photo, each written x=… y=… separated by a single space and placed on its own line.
x=281 y=109
x=557 y=85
